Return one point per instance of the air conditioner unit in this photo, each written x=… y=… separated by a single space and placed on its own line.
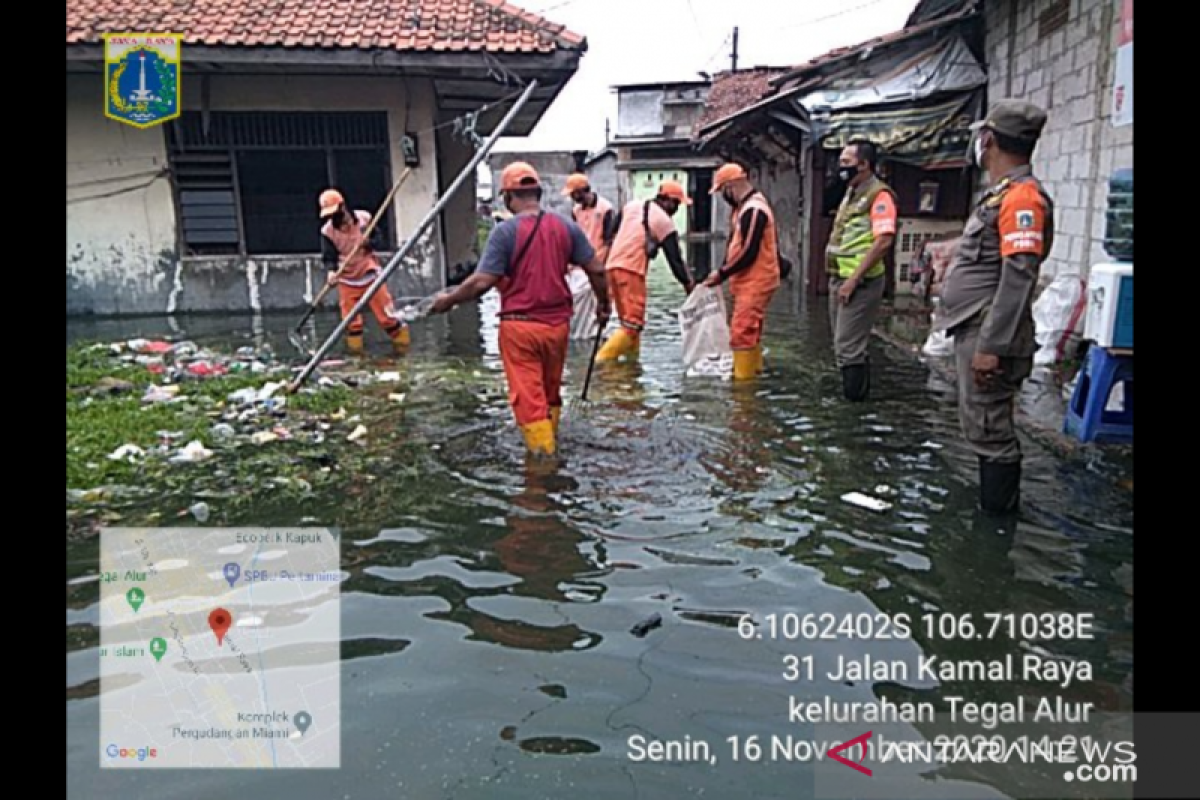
x=1109 y=320
x=912 y=233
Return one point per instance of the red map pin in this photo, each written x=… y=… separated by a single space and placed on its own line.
x=220 y=620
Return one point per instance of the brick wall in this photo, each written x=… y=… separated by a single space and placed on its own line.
x=1069 y=73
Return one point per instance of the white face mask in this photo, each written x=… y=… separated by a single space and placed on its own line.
x=979 y=152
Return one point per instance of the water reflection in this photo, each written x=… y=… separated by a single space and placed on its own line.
x=488 y=609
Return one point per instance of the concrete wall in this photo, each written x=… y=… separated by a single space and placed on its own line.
x=602 y=175
x=1070 y=74
x=122 y=253
x=552 y=166
x=459 y=218
x=120 y=219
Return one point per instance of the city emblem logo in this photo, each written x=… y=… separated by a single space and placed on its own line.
x=1024 y=219
x=141 y=78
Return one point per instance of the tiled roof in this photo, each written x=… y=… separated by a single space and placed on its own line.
x=733 y=91
x=494 y=26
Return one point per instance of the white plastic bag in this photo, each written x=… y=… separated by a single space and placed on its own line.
x=705 y=331
x=1055 y=316
x=938 y=345
x=583 y=319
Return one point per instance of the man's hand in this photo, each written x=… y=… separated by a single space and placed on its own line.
x=986 y=368
x=442 y=303
x=603 y=311
x=332 y=279
x=714 y=279
x=847 y=290
x=690 y=287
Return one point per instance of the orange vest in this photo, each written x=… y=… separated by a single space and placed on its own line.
x=591 y=220
x=764 y=272
x=359 y=270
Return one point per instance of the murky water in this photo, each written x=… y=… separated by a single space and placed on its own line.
x=487 y=621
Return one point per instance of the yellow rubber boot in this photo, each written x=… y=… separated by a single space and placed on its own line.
x=555 y=417
x=401 y=340
x=744 y=365
x=617 y=345
x=758 y=359
x=539 y=437
x=354 y=343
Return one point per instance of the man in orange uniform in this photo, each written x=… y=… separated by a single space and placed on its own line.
x=751 y=266
x=592 y=213
x=528 y=257
x=597 y=218
x=643 y=228
x=353 y=266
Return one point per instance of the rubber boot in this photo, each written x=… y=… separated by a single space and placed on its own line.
x=856 y=382
x=354 y=343
x=555 y=417
x=539 y=437
x=744 y=365
x=619 y=344
x=401 y=339
x=758 y=359
x=999 y=487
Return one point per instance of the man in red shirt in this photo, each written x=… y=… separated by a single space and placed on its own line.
x=527 y=258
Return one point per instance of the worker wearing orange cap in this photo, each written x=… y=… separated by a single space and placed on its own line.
x=751 y=266
x=592 y=213
x=353 y=266
x=595 y=216
x=527 y=258
x=643 y=228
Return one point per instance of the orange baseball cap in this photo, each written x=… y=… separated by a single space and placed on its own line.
x=519 y=175
x=673 y=189
x=726 y=174
x=575 y=182
x=331 y=200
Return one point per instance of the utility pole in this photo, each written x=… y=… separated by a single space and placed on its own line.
x=734 y=54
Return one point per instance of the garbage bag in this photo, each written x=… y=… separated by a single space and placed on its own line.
x=583 y=319
x=703 y=323
x=1056 y=314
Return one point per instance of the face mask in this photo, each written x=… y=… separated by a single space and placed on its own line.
x=978 y=152
x=727 y=196
x=846 y=174
x=338 y=218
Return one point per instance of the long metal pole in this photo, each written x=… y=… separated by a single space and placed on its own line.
x=412 y=240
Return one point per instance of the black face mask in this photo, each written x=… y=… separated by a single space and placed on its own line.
x=337 y=218
x=728 y=197
x=847 y=174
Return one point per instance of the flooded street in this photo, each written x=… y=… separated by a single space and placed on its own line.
x=487 y=617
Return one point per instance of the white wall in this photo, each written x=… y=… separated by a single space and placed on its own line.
x=1070 y=74
x=122 y=250
x=120 y=246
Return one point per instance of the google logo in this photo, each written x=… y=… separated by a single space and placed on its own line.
x=141 y=753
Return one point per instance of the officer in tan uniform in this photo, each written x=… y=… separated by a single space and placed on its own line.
x=988 y=296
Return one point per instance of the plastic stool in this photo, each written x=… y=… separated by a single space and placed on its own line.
x=1088 y=418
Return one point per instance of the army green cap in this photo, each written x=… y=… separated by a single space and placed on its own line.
x=1015 y=118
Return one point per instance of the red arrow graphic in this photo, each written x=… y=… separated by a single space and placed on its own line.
x=847 y=745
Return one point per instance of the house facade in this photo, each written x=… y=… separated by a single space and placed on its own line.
x=216 y=211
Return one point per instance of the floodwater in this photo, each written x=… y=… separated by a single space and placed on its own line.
x=487 y=621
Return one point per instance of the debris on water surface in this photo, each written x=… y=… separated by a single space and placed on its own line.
x=127 y=452
x=866 y=501
x=645 y=626
x=200 y=511
x=192 y=453
x=357 y=434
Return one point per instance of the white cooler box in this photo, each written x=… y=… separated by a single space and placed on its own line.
x=1110 y=306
